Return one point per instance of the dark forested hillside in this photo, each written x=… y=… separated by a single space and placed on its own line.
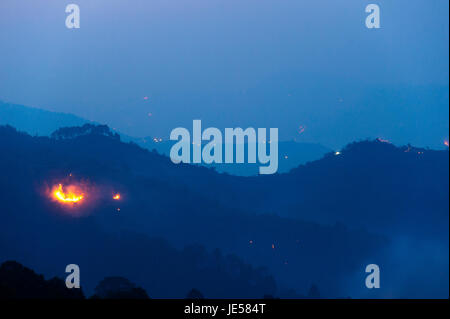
x=177 y=227
x=40 y=122
x=370 y=184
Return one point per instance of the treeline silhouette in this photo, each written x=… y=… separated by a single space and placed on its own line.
x=19 y=282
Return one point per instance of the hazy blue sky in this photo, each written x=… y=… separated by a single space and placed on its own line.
x=260 y=63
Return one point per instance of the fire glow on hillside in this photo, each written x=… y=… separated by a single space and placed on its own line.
x=70 y=194
x=76 y=196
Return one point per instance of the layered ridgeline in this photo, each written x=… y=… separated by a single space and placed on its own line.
x=180 y=226
x=41 y=122
x=36 y=121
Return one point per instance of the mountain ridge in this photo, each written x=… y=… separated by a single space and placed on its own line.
x=266 y=220
x=41 y=122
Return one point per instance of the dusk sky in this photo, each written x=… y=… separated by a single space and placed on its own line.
x=230 y=63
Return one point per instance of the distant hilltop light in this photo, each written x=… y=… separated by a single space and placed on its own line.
x=337 y=153
x=301 y=129
x=382 y=140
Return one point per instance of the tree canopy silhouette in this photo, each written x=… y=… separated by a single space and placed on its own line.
x=86 y=129
x=194 y=294
x=19 y=282
x=119 y=288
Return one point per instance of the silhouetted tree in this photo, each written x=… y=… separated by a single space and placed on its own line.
x=313 y=292
x=194 y=294
x=19 y=282
x=86 y=129
x=118 y=288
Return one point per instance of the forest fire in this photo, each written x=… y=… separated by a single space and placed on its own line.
x=67 y=195
x=78 y=197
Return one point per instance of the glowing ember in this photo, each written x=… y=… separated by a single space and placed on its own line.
x=301 y=129
x=116 y=197
x=72 y=194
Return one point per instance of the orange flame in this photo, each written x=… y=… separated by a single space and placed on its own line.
x=71 y=196
x=116 y=197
